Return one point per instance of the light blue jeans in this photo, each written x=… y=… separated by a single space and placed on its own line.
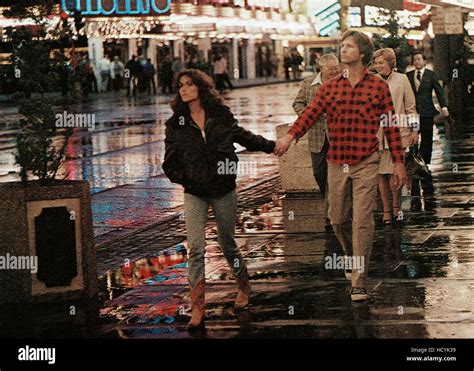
x=196 y=214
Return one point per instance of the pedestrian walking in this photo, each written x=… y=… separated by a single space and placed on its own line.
x=149 y=72
x=104 y=73
x=116 y=73
x=385 y=62
x=225 y=75
x=287 y=65
x=275 y=63
x=200 y=138
x=296 y=60
x=354 y=103
x=193 y=62
x=423 y=82
x=268 y=65
x=166 y=76
x=142 y=78
x=219 y=69
x=133 y=71
x=177 y=66
x=317 y=134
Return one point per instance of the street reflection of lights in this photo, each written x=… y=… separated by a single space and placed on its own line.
x=109 y=276
x=453 y=261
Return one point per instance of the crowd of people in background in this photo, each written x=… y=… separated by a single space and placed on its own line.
x=139 y=75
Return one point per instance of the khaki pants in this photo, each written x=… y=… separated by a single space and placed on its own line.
x=352 y=193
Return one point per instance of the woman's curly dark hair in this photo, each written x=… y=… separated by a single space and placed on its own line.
x=208 y=95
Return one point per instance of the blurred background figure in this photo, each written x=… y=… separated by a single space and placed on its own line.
x=104 y=73
x=116 y=73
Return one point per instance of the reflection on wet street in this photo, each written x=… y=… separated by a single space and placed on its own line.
x=122 y=157
x=421 y=272
x=421 y=275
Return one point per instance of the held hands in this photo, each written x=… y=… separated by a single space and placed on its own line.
x=282 y=145
x=445 y=111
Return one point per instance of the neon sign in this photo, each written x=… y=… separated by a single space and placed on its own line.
x=117 y=7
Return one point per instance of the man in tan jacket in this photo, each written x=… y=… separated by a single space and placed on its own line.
x=317 y=135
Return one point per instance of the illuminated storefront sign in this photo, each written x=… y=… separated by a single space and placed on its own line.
x=202 y=27
x=281 y=4
x=375 y=16
x=387 y=4
x=463 y=3
x=117 y=7
x=219 y=2
x=327 y=14
x=355 y=16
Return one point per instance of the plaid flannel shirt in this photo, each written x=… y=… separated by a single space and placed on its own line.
x=354 y=115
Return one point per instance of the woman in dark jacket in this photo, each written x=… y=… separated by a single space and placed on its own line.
x=200 y=155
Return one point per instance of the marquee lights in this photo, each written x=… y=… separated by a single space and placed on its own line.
x=117 y=7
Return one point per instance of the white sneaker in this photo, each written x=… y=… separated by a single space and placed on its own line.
x=359 y=294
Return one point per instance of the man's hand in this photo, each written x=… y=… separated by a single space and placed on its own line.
x=445 y=111
x=399 y=176
x=282 y=145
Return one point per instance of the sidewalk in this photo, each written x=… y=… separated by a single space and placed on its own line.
x=5 y=101
x=134 y=205
x=421 y=275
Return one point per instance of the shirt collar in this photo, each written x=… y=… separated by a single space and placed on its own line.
x=389 y=76
x=422 y=70
x=317 y=80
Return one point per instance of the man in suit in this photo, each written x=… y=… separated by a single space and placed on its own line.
x=423 y=81
x=317 y=136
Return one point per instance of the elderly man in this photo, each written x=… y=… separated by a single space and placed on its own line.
x=317 y=135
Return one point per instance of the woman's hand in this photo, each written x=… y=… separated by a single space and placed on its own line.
x=413 y=139
x=282 y=145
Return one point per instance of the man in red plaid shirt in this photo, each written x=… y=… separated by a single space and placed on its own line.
x=356 y=103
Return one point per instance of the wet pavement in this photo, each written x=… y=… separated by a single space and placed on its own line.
x=421 y=271
x=122 y=156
